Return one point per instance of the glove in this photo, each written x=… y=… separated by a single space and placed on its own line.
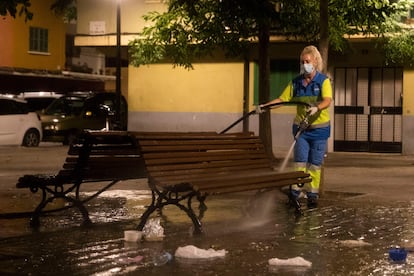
x=259 y=109
x=312 y=110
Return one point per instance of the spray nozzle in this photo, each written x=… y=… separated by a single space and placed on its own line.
x=303 y=125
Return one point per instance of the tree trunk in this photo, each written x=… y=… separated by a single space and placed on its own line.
x=246 y=86
x=265 y=130
x=324 y=49
x=324 y=33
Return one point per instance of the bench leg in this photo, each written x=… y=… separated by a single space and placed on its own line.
x=202 y=206
x=82 y=209
x=190 y=213
x=150 y=209
x=35 y=222
x=145 y=216
x=161 y=199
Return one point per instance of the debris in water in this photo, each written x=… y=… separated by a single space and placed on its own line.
x=296 y=261
x=131 y=260
x=193 y=252
x=162 y=258
x=153 y=231
x=354 y=243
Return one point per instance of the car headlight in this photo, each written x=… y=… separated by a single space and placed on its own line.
x=51 y=127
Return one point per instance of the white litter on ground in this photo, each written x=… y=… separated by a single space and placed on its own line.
x=296 y=261
x=193 y=252
x=354 y=243
x=153 y=231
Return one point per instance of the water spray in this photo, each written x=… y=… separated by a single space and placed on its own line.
x=303 y=125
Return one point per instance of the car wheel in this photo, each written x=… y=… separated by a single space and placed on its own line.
x=31 y=138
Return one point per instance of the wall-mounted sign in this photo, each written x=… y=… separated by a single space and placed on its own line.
x=97 y=27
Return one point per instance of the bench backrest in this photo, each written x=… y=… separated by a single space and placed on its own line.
x=99 y=156
x=170 y=157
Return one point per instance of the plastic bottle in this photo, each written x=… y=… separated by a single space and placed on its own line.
x=162 y=258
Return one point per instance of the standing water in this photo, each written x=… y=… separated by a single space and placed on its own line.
x=338 y=238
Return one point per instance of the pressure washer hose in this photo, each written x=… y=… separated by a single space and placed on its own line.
x=254 y=112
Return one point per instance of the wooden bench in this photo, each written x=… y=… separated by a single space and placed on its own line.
x=97 y=156
x=182 y=167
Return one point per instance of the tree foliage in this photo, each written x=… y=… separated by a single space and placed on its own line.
x=64 y=8
x=190 y=29
x=16 y=7
x=194 y=28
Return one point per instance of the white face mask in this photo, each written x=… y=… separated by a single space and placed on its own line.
x=308 y=68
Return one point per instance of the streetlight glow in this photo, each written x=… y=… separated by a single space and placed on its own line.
x=118 y=63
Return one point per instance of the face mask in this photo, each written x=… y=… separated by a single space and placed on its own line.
x=308 y=68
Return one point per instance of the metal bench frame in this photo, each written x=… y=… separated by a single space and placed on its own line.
x=184 y=167
x=94 y=157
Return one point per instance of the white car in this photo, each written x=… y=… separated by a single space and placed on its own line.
x=19 y=126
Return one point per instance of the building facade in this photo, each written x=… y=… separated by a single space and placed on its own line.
x=373 y=105
x=33 y=53
x=34 y=44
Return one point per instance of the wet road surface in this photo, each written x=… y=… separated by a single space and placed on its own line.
x=327 y=236
x=349 y=234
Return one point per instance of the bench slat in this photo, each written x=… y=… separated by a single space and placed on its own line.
x=176 y=170
x=251 y=187
x=228 y=178
x=142 y=136
x=168 y=158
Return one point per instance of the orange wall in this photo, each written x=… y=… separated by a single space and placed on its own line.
x=14 y=46
x=6 y=45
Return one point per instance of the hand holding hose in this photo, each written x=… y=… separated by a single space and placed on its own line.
x=312 y=110
x=259 y=109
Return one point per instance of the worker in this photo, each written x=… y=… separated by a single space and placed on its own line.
x=313 y=88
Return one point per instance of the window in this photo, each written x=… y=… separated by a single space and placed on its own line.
x=11 y=107
x=38 y=40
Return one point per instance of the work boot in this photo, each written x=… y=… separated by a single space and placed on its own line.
x=312 y=200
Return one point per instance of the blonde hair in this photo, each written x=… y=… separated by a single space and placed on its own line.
x=313 y=51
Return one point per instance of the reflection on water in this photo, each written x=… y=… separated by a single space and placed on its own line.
x=339 y=238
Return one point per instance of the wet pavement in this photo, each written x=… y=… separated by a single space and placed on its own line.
x=366 y=209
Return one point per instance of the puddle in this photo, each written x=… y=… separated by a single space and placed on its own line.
x=339 y=238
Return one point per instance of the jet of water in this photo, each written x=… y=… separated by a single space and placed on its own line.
x=285 y=161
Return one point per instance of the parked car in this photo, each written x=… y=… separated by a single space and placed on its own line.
x=69 y=115
x=39 y=100
x=18 y=126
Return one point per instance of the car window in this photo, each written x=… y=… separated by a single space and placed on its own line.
x=10 y=107
x=99 y=105
x=105 y=106
x=66 y=106
x=39 y=103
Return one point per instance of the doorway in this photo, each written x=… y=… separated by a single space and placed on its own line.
x=368 y=109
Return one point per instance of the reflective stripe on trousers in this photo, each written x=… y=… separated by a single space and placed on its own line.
x=315 y=174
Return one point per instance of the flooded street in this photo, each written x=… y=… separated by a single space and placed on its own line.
x=338 y=238
x=367 y=208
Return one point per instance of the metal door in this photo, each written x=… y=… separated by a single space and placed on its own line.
x=368 y=109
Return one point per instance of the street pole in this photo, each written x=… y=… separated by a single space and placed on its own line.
x=118 y=64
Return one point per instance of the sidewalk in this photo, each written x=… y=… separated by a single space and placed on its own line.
x=378 y=176
x=375 y=176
